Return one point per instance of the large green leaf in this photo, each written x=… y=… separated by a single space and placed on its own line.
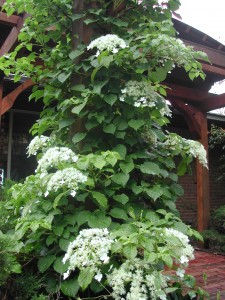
x=100 y=198
x=136 y=124
x=78 y=137
x=122 y=198
x=70 y=287
x=155 y=192
x=85 y=277
x=110 y=99
x=150 y=168
x=45 y=262
x=109 y=128
x=120 y=178
x=98 y=219
x=130 y=251
x=118 y=213
x=127 y=167
x=59 y=266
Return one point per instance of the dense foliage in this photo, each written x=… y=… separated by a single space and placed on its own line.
x=98 y=218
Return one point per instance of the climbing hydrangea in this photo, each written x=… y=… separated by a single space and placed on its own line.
x=141 y=280
x=68 y=178
x=90 y=249
x=144 y=95
x=36 y=144
x=109 y=42
x=194 y=148
x=55 y=156
x=185 y=251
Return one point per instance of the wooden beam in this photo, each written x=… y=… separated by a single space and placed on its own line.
x=216 y=57
x=212 y=103
x=189 y=94
x=12 y=37
x=11 y=20
x=203 y=198
x=213 y=70
x=188 y=112
x=8 y=101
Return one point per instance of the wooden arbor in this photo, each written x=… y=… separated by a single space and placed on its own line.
x=192 y=99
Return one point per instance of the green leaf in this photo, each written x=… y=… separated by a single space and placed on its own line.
x=59 y=266
x=85 y=277
x=130 y=251
x=127 y=167
x=65 y=123
x=78 y=137
x=100 y=198
x=177 y=189
x=75 y=53
x=98 y=219
x=136 y=124
x=106 y=60
x=70 y=287
x=63 y=244
x=122 y=198
x=78 y=87
x=155 y=192
x=120 y=178
x=77 y=109
x=110 y=99
x=168 y=260
x=99 y=162
x=109 y=128
x=121 y=149
x=150 y=168
x=45 y=262
x=63 y=77
x=98 y=86
x=83 y=217
x=118 y=213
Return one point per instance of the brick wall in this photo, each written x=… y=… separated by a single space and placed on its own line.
x=187 y=205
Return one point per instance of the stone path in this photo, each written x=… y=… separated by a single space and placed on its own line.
x=209 y=271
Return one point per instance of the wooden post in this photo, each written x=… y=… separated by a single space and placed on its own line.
x=203 y=198
x=1 y=96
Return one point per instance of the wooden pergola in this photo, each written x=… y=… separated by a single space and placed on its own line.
x=190 y=98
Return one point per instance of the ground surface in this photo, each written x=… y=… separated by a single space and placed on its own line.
x=209 y=271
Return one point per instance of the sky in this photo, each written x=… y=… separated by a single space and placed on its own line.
x=206 y=15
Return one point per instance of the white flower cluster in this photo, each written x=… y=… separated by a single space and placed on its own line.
x=109 y=42
x=194 y=148
x=197 y=150
x=144 y=95
x=184 y=251
x=142 y=284
x=36 y=144
x=89 y=249
x=55 y=156
x=68 y=177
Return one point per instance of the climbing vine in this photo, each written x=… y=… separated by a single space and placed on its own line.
x=98 y=218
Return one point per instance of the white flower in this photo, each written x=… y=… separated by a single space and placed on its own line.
x=180 y=272
x=98 y=276
x=89 y=249
x=136 y=273
x=198 y=151
x=143 y=94
x=36 y=144
x=54 y=157
x=194 y=148
x=184 y=251
x=109 y=42
x=67 y=178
